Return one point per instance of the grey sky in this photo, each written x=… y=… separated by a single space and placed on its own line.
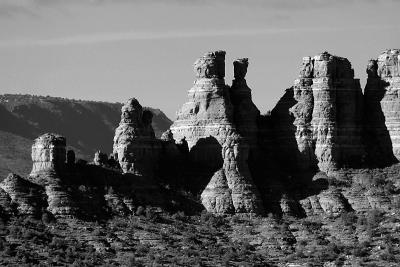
x=115 y=49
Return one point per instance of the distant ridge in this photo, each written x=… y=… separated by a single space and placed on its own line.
x=88 y=125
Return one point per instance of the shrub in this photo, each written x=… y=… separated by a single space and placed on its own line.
x=374 y=217
x=361 y=250
x=47 y=218
x=348 y=218
x=140 y=211
x=211 y=220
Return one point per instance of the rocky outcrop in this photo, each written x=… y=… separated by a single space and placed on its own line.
x=59 y=199
x=50 y=170
x=302 y=111
x=382 y=117
x=222 y=148
x=206 y=123
x=69 y=189
x=245 y=112
x=48 y=157
x=337 y=116
x=329 y=202
x=135 y=144
x=217 y=196
x=326 y=107
x=27 y=197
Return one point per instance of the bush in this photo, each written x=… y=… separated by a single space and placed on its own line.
x=348 y=218
x=374 y=217
x=361 y=250
x=46 y=218
x=211 y=220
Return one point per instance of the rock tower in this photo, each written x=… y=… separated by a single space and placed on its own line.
x=207 y=124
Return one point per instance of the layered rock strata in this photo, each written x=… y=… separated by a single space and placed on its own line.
x=302 y=111
x=327 y=113
x=63 y=188
x=50 y=161
x=48 y=157
x=382 y=117
x=206 y=123
x=246 y=114
x=135 y=144
x=26 y=196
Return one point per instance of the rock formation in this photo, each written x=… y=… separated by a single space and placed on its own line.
x=327 y=114
x=48 y=157
x=50 y=161
x=206 y=123
x=216 y=196
x=221 y=147
x=245 y=112
x=302 y=111
x=25 y=195
x=135 y=144
x=100 y=158
x=382 y=119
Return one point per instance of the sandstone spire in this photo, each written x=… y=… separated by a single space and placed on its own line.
x=382 y=119
x=135 y=144
x=245 y=112
x=48 y=156
x=326 y=122
x=206 y=122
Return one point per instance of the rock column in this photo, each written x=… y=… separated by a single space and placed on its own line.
x=206 y=122
x=135 y=144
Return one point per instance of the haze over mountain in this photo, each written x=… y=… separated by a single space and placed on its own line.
x=88 y=125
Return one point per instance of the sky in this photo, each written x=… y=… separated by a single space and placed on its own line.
x=111 y=50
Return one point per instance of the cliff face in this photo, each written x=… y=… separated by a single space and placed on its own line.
x=222 y=148
x=325 y=107
x=382 y=119
x=207 y=123
x=48 y=156
x=246 y=114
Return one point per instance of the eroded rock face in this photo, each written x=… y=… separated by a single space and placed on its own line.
x=135 y=144
x=217 y=196
x=27 y=197
x=206 y=123
x=382 y=117
x=337 y=113
x=48 y=156
x=302 y=111
x=245 y=112
x=327 y=114
x=59 y=200
x=329 y=202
